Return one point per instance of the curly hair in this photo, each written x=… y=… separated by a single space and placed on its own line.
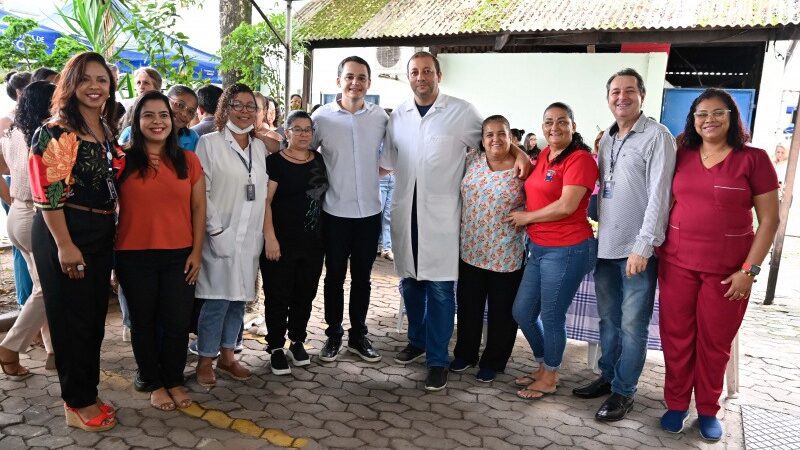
x=224 y=105
x=34 y=107
x=136 y=157
x=737 y=135
x=65 y=104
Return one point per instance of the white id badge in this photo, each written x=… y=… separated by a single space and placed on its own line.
x=112 y=190
x=608 y=189
x=250 y=192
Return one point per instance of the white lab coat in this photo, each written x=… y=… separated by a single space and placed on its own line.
x=429 y=152
x=230 y=260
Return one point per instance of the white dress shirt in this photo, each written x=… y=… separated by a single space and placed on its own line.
x=350 y=144
x=429 y=152
x=230 y=259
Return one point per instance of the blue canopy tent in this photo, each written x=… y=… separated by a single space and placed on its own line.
x=206 y=62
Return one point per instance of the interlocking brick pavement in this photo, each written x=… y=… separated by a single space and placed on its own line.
x=350 y=403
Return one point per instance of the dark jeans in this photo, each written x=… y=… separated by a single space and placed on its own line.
x=356 y=240
x=160 y=302
x=290 y=285
x=474 y=285
x=76 y=309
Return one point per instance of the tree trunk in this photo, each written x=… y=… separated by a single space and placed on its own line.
x=231 y=14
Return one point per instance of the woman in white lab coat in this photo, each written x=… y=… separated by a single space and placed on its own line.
x=236 y=182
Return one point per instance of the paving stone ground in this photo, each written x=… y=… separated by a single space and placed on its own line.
x=351 y=403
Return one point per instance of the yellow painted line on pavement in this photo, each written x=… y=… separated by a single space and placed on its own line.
x=219 y=419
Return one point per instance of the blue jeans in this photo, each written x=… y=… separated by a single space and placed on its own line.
x=431 y=308
x=218 y=326
x=123 y=307
x=387 y=188
x=625 y=306
x=551 y=279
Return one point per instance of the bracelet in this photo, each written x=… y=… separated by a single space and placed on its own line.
x=749 y=274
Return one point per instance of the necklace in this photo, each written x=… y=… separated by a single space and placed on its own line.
x=705 y=156
x=308 y=158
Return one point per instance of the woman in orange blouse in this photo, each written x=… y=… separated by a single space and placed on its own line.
x=72 y=170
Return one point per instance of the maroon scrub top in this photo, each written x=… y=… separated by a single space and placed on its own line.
x=711 y=222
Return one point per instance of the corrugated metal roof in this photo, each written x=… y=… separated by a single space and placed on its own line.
x=370 y=19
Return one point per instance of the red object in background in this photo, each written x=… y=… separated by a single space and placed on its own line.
x=645 y=47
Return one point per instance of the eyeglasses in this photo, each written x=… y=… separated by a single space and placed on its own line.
x=250 y=107
x=717 y=114
x=298 y=130
x=182 y=107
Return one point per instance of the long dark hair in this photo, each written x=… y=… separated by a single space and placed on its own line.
x=224 y=105
x=577 y=142
x=736 y=137
x=65 y=104
x=136 y=157
x=34 y=107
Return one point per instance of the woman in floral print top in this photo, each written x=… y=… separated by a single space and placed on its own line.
x=491 y=252
x=73 y=168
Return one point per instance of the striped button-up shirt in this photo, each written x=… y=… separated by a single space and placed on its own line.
x=351 y=146
x=633 y=216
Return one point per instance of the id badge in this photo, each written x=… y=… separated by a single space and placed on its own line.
x=112 y=190
x=608 y=189
x=549 y=175
x=250 y=192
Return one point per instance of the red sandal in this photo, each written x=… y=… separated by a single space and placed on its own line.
x=100 y=422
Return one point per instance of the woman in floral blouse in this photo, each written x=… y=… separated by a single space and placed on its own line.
x=491 y=253
x=72 y=170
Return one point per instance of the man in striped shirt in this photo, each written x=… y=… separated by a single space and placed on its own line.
x=637 y=161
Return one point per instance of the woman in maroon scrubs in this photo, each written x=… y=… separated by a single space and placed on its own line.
x=711 y=256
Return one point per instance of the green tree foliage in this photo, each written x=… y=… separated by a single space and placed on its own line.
x=18 y=50
x=257 y=55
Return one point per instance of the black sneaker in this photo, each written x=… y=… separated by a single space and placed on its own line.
x=278 y=362
x=363 y=348
x=298 y=355
x=330 y=350
x=409 y=355
x=437 y=379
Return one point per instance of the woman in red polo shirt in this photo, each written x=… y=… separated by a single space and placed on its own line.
x=562 y=249
x=162 y=216
x=710 y=257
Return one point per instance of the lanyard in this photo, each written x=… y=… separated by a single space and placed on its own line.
x=247 y=164
x=106 y=145
x=615 y=156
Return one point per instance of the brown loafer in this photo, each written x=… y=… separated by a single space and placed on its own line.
x=235 y=371
x=205 y=372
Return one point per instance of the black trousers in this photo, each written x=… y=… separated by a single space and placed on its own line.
x=76 y=309
x=474 y=286
x=160 y=303
x=355 y=240
x=290 y=285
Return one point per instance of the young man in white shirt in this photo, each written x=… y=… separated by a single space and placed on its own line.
x=426 y=146
x=349 y=133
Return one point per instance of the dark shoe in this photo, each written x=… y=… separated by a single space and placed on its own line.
x=710 y=428
x=330 y=351
x=142 y=386
x=614 y=408
x=363 y=348
x=409 y=355
x=298 y=355
x=673 y=421
x=458 y=365
x=486 y=375
x=437 y=379
x=595 y=389
x=278 y=362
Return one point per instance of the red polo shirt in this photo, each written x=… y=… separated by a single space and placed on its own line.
x=544 y=186
x=711 y=224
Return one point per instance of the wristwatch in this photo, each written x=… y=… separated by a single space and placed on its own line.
x=751 y=269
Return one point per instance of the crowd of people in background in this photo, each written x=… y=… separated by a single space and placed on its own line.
x=189 y=194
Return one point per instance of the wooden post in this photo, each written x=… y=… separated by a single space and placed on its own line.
x=786 y=203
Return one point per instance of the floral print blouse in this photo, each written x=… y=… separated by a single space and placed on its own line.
x=62 y=168
x=488 y=197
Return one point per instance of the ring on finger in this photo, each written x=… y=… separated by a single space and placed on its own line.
x=80 y=267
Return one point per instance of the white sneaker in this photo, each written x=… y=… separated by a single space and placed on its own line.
x=126 y=334
x=388 y=255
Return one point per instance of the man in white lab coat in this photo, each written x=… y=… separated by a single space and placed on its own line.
x=426 y=144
